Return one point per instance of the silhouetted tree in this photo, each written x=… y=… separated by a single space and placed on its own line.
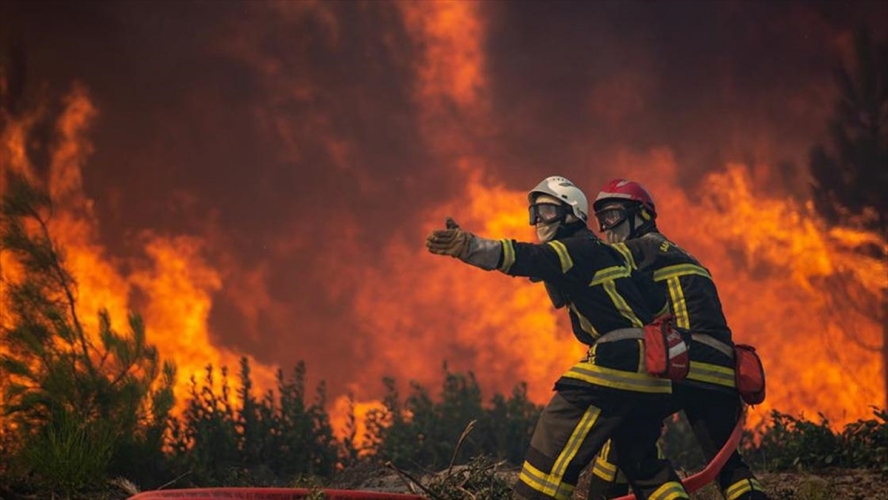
x=850 y=177
x=81 y=402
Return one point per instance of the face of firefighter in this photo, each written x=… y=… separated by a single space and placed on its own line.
x=614 y=222
x=547 y=214
x=545 y=232
x=619 y=233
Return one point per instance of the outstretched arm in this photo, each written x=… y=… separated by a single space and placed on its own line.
x=465 y=246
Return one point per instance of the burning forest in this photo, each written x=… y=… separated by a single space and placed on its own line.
x=256 y=178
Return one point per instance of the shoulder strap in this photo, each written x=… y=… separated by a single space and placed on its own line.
x=713 y=343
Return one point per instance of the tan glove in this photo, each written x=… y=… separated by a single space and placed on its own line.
x=452 y=241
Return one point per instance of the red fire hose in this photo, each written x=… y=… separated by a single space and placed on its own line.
x=268 y=494
x=702 y=478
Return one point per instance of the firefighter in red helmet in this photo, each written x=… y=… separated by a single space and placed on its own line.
x=627 y=215
x=625 y=210
x=606 y=394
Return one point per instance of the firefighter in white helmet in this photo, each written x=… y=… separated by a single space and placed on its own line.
x=607 y=394
x=627 y=216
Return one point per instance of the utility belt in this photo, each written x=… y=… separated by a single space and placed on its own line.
x=749 y=373
x=621 y=334
x=666 y=348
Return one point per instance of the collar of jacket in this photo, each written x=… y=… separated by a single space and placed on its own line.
x=572 y=229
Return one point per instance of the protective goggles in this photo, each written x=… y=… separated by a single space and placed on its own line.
x=546 y=213
x=611 y=217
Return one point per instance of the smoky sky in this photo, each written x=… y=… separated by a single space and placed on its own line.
x=288 y=133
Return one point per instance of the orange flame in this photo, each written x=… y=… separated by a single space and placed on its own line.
x=175 y=280
x=505 y=330
x=771 y=256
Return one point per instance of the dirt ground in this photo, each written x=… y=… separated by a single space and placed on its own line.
x=834 y=484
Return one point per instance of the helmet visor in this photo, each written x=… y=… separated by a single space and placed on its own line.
x=611 y=217
x=546 y=213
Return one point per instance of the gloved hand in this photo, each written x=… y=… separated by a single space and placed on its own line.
x=452 y=241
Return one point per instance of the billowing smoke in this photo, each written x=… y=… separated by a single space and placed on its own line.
x=260 y=175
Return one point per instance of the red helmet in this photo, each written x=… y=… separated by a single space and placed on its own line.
x=623 y=189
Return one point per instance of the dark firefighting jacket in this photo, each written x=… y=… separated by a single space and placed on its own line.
x=602 y=294
x=694 y=304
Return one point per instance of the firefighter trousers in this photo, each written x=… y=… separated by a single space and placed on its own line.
x=573 y=427
x=712 y=415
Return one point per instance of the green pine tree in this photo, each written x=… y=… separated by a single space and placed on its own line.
x=81 y=403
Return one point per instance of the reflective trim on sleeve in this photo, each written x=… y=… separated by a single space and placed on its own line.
x=711 y=374
x=563 y=255
x=508 y=256
x=626 y=253
x=669 y=491
x=680 y=270
x=618 y=379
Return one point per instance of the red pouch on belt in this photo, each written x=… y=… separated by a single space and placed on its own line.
x=666 y=351
x=749 y=374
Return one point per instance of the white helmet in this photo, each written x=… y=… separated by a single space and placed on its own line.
x=564 y=190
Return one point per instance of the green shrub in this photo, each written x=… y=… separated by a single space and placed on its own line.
x=865 y=442
x=257 y=442
x=506 y=426
x=70 y=455
x=421 y=433
x=794 y=443
x=478 y=479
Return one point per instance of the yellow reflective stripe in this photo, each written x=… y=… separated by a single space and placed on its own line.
x=669 y=491
x=679 y=305
x=619 y=379
x=585 y=324
x=534 y=478
x=627 y=254
x=590 y=354
x=538 y=480
x=680 y=270
x=641 y=368
x=602 y=468
x=742 y=486
x=563 y=256
x=610 y=274
x=711 y=374
x=579 y=434
x=508 y=256
x=606 y=277
x=611 y=288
